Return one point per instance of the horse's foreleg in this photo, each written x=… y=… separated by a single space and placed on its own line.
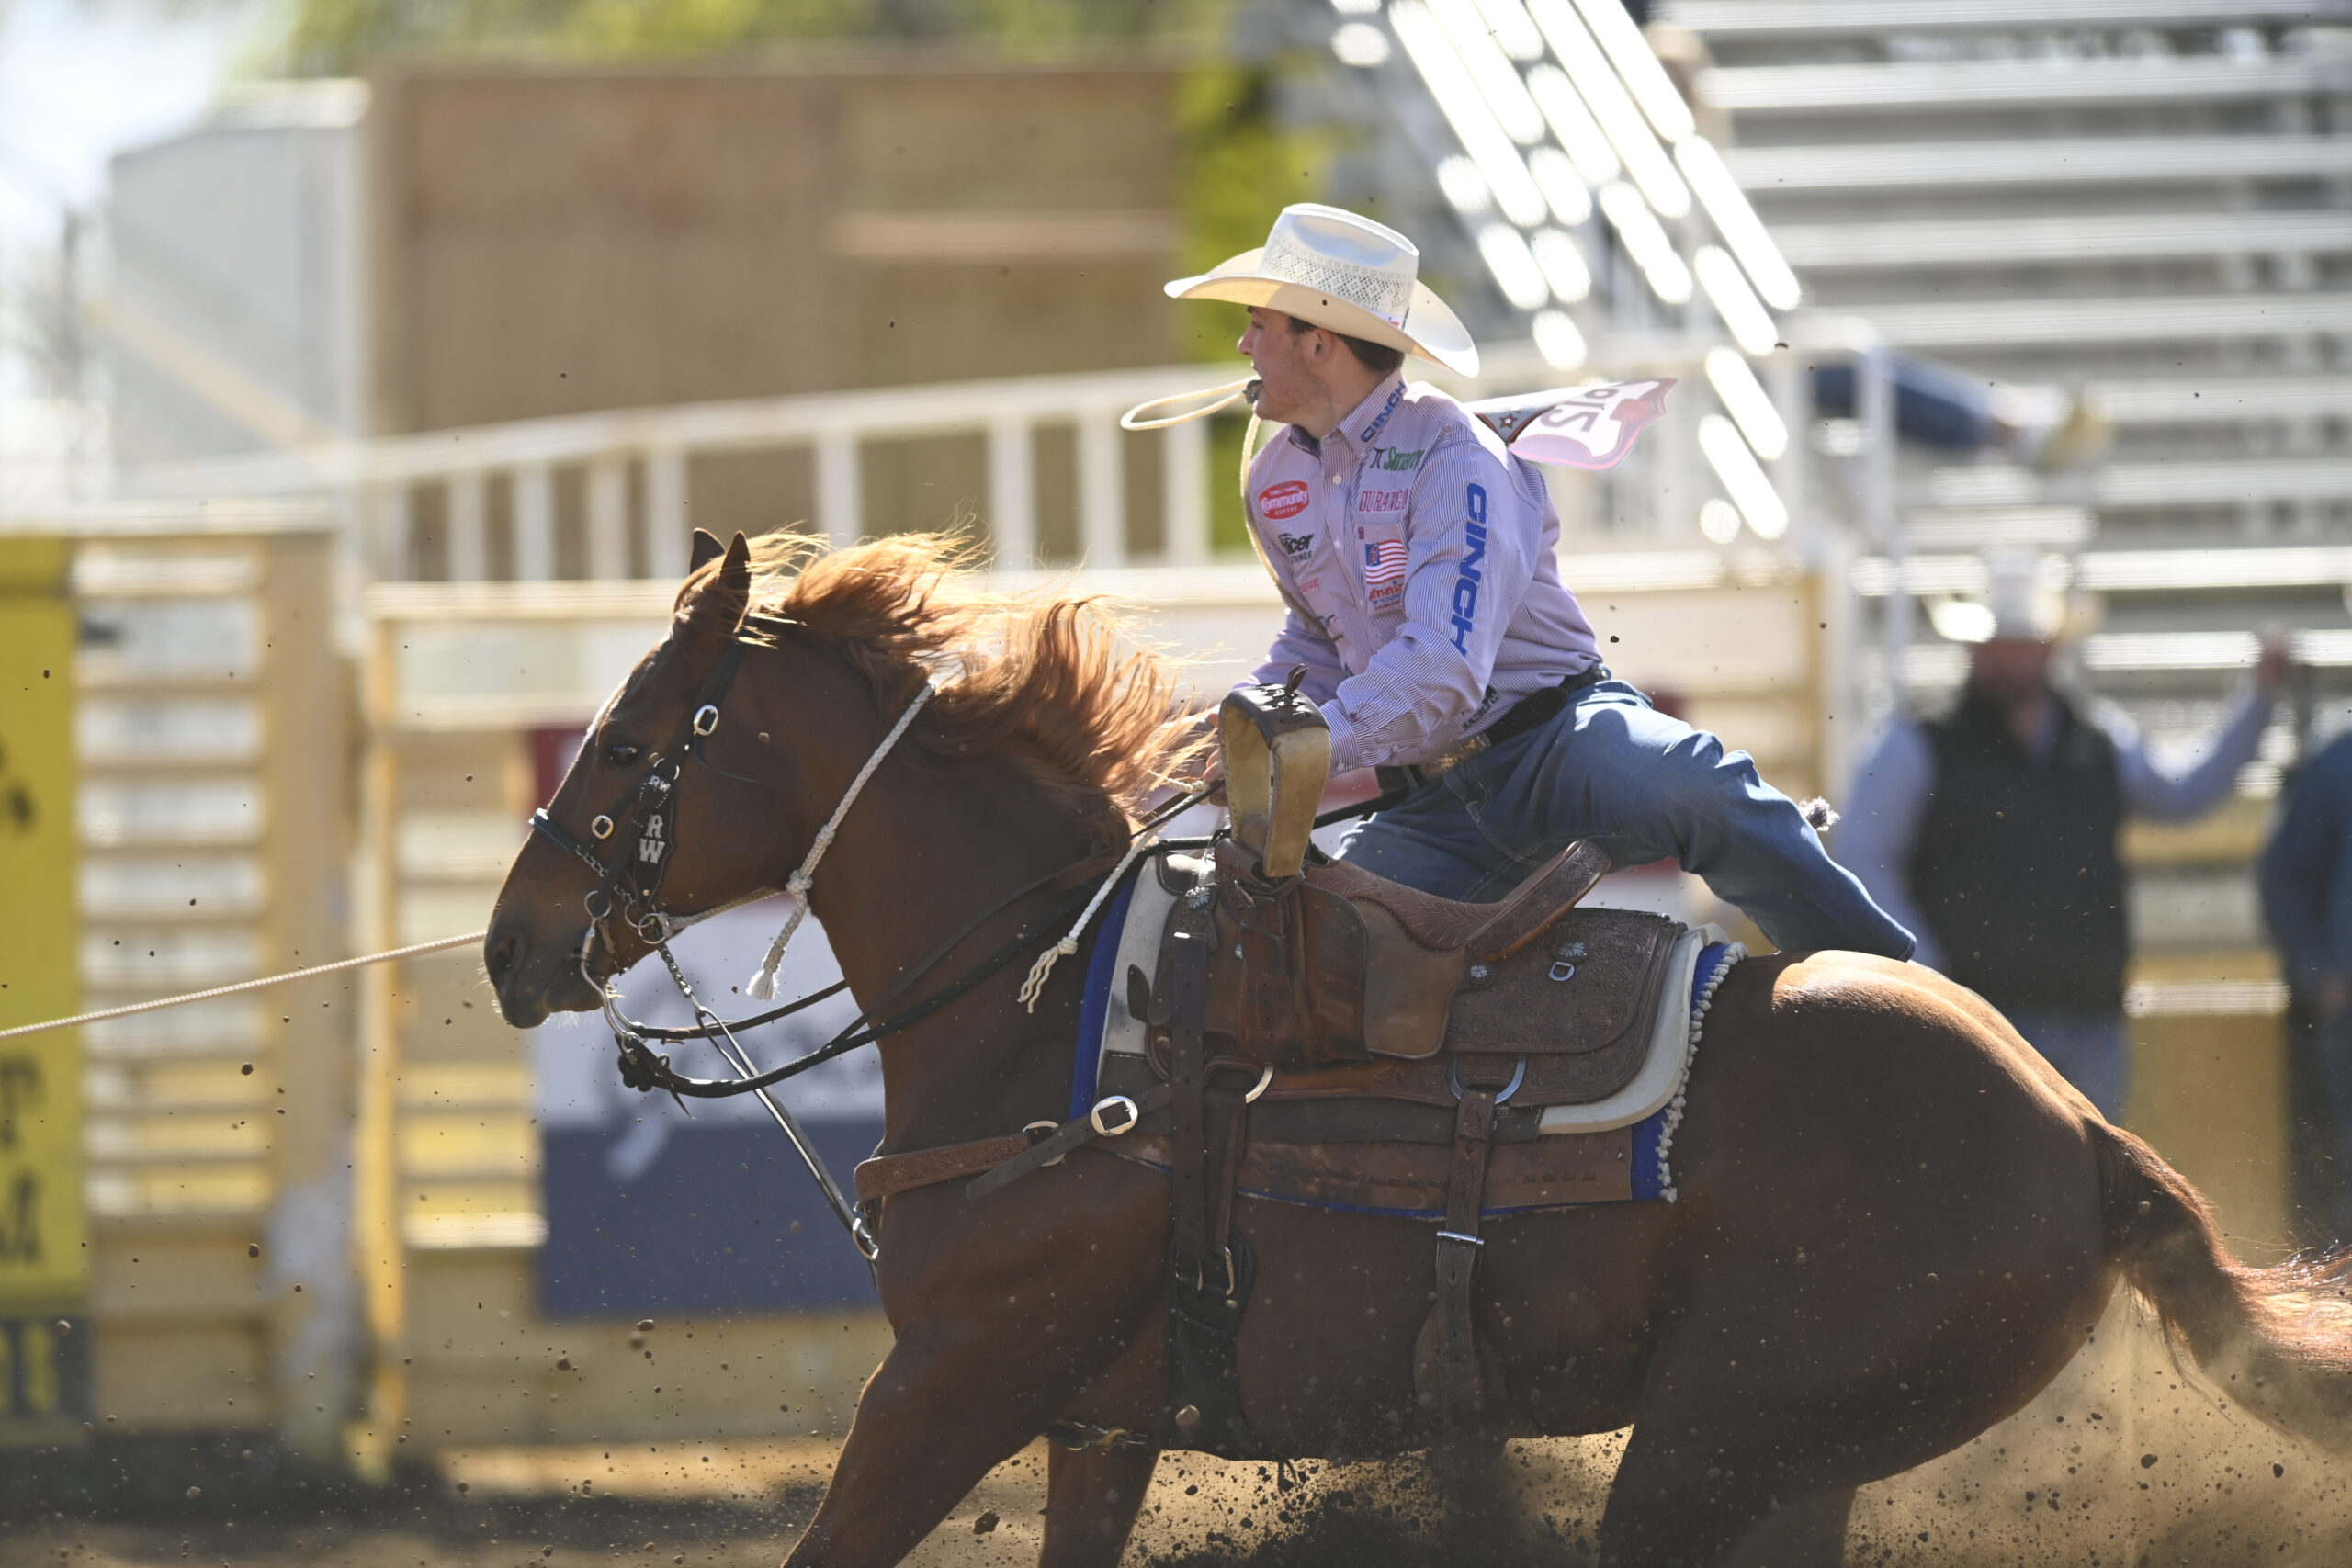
x=934 y=1419
x=1091 y=1498
x=1673 y=1504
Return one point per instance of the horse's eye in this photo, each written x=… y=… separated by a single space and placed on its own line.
x=620 y=753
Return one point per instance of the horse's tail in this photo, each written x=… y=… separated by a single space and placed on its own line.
x=2277 y=1341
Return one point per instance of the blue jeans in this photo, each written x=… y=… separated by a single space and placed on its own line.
x=1644 y=788
x=2091 y=1050
x=1934 y=404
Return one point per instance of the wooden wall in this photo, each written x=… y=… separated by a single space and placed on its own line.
x=547 y=242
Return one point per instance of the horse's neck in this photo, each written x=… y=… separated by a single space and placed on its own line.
x=931 y=853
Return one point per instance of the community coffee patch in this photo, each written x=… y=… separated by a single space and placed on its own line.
x=1285 y=500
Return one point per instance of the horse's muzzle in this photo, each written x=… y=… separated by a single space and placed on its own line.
x=533 y=976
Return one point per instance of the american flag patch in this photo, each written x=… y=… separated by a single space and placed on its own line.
x=1383 y=563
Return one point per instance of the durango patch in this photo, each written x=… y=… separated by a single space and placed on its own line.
x=1285 y=500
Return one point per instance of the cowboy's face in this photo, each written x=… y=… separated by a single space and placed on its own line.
x=1289 y=363
x=2011 y=668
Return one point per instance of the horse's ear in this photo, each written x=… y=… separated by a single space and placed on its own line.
x=714 y=608
x=706 y=548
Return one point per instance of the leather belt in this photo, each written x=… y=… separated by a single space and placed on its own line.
x=1535 y=709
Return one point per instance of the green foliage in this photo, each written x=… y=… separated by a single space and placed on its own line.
x=1229 y=524
x=343 y=37
x=1240 y=169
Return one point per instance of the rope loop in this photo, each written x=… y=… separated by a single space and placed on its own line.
x=1226 y=396
x=1034 y=985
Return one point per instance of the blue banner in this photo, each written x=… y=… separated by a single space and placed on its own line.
x=651 y=1210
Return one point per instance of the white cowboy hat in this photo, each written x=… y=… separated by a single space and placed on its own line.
x=2022 y=602
x=1337 y=270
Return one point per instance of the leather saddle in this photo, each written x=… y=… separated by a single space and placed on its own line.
x=1348 y=1041
x=1324 y=982
x=1325 y=965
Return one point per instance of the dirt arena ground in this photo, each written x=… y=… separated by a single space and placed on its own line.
x=2123 y=1462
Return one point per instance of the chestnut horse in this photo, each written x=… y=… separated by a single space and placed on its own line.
x=1895 y=1221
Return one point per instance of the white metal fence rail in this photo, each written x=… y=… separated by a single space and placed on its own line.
x=381 y=479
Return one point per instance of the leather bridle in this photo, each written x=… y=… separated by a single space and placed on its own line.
x=627 y=882
x=629 y=885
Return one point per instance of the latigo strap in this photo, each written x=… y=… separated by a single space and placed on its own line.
x=1445 y=1358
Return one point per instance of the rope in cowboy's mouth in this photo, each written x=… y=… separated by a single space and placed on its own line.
x=412 y=951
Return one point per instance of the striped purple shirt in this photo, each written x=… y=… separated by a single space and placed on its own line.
x=1429 y=556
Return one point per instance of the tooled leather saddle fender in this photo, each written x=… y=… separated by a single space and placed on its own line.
x=1316 y=965
x=1343 y=985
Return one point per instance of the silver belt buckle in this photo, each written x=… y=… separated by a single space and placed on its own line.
x=1445 y=762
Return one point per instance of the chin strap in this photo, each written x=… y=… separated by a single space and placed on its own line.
x=763 y=984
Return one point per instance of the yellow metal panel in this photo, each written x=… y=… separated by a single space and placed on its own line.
x=43 y=1260
x=175 y=1376
x=2231 y=833
x=459 y=1146
x=176 y=1270
x=467 y=1086
x=181 y=1192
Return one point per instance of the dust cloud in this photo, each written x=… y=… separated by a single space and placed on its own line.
x=2125 y=1461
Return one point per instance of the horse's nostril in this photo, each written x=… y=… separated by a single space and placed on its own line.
x=502 y=959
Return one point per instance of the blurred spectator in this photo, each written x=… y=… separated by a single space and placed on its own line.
x=1939 y=405
x=2306 y=876
x=1991 y=830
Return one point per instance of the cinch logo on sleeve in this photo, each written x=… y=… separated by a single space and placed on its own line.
x=1285 y=500
x=1466 y=587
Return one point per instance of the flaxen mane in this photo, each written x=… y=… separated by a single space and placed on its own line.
x=1059 y=686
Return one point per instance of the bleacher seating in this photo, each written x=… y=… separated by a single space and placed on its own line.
x=2002 y=240
x=1817 y=91
x=1823 y=19
x=2121 y=321
x=2053 y=163
x=2151 y=199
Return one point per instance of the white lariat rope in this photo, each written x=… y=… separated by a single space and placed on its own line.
x=1034 y=985
x=763 y=985
x=414 y=950
x=1226 y=396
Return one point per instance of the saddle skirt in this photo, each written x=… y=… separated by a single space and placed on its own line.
x=1587 y=1017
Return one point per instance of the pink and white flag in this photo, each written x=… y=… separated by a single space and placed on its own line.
x=1577 y=427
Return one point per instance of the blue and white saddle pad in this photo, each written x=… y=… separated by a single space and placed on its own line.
x=1651 y=1104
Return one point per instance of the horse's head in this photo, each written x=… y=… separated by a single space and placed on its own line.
x=1047 y=726
x=608 y=851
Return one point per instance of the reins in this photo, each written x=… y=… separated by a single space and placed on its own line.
x=628 y=886
x=625 y=887
x=645 y=1071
